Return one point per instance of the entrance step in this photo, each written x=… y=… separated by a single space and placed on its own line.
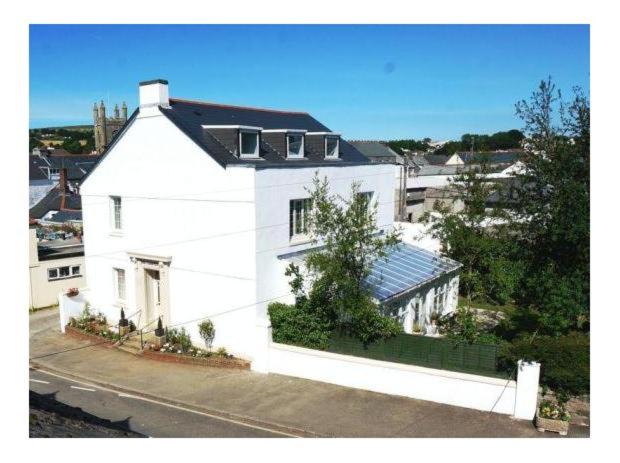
x=131 y=345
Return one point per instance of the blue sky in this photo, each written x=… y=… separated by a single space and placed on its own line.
x=367 y=82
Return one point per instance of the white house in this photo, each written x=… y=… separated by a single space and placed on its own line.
x=194 y=207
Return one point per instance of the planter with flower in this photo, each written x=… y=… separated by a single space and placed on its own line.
x=72 y=292
x=552 y=416
x=89 y=325
x=178 y=348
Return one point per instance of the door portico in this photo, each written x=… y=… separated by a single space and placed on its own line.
x=152 y=284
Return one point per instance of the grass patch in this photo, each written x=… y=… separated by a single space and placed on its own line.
x=484 y=305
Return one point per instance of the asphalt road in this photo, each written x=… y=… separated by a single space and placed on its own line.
x=144 y=416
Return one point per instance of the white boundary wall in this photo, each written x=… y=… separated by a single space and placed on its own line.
x=448 y=387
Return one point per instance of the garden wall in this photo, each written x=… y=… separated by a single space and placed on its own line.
x=453 y=388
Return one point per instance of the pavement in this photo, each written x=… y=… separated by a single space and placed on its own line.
x=249 y=402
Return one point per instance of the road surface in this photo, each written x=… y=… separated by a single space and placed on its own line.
x=144 y=416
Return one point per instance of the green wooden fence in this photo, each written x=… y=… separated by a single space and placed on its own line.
x=423 y=351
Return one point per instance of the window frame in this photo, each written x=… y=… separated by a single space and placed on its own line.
x=302 y=148
x=70 y=272
x=116 y=272
x=113 y=213
x=256 y=153
x=306 y=205
x=337 y=150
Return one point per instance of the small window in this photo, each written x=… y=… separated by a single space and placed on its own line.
x=116 y=212
x=366 y=198
x=248 y=144
x=119 y=283
x=64 y=272
x=75 y=270
x=295 y=144
x=332 y=145
x=52 y=273
x=299 y=210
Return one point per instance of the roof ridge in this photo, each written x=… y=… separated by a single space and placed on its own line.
x=252 y=108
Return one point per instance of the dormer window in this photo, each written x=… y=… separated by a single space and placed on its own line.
x=332 y=147
x=248 y=144
x=295 y=145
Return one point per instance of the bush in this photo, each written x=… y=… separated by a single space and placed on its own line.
x=565 y=361
x=207 y=332
x=295 y=325
x=180 y=339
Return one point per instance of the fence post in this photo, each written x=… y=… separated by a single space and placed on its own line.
x=526 y=396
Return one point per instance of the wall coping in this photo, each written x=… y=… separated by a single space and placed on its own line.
x=396 y=366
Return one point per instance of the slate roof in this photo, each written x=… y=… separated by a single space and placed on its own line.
x=34 y=168
x=54 y=250
x=52 y=201
x=495 y=157
x=437 y=159
x=374 y=149
x=190 y=116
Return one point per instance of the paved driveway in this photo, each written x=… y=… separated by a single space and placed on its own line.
x=276 y=401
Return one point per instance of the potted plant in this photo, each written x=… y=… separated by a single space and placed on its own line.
x=552 y=416
x=160 y=335
x=123 y=324
x=71 y=292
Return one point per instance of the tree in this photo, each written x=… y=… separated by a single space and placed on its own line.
x=207 y=332
x=484 y=249
x=348 y=243
x=553 y=209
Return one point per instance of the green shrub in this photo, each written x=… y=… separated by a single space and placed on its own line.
x=207 y=332
x=294 y=325
x=565 y=361
x=180 y=339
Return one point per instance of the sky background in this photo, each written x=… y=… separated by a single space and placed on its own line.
x=366 y=82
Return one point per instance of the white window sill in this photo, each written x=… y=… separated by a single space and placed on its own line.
x=116 y=233
x=63 y=278
x=299 y=239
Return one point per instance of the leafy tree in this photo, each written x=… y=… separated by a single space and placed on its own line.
x=552 y=218
x=338 y=298
x=73 y=146
x=207 y=332
x=484 y=249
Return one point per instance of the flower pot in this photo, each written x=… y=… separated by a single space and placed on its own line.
x=548 y=424
x=159 y=341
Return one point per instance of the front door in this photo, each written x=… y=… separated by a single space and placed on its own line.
x=153 y=295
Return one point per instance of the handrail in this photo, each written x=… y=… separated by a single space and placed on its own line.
x=141 y=330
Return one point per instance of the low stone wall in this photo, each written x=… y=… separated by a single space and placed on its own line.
x=213 y=361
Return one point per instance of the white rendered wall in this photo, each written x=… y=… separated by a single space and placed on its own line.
x=274 y=190
x=428 y=181
x=202 y=217
x=447 y=387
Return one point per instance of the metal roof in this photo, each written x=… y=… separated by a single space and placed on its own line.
x=405 y=268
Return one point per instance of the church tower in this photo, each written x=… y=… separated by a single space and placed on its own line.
x=106 y=128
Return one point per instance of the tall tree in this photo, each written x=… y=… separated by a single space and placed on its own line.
x=476 y=235
x=346 y=230
x=553 y=208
